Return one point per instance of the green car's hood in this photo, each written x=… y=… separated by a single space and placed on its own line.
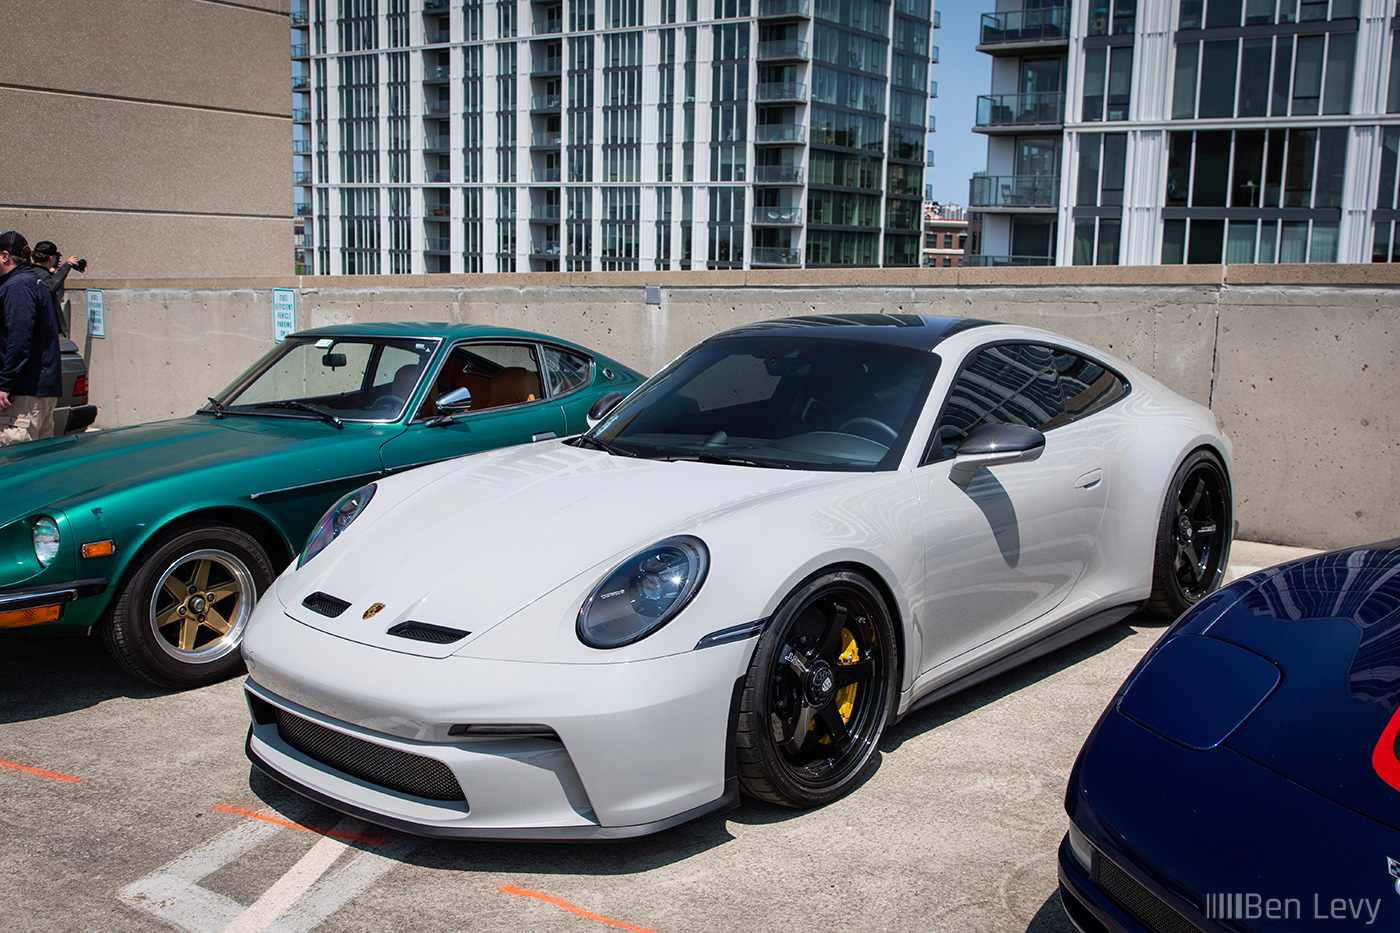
x=76 y=468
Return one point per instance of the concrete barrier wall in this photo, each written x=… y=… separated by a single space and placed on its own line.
x=1298 y=362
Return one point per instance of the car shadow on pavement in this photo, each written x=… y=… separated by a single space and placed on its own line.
x=1002 y=685
x=1051 y=917
x=45 y=675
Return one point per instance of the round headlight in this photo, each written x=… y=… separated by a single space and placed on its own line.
x=45 y=534
x=335 y=521
x=643 y=593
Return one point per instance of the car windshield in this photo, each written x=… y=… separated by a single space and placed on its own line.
x=345 y=378
x=768 y=401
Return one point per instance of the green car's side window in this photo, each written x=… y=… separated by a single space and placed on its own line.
x=496 y=374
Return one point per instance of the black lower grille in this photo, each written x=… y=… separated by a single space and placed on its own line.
x=388 y=767
x=1141 y=904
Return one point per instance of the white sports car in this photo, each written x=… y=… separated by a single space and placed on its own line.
x=796 y=533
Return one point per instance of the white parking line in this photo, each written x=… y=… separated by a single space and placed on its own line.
x=298 y=902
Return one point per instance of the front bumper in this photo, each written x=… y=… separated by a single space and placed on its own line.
x=619 y=750
x=17 y=605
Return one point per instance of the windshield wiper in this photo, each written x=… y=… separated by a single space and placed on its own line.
x=730 y=461
x=325 y=416
x=603 y=446
x=217 y=409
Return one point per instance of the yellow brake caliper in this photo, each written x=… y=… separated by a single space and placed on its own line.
x=846 y=696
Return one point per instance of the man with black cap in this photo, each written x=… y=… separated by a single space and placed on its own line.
x=31 y=368
x=53 y=268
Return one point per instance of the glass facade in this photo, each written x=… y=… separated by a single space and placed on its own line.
x=496 y=136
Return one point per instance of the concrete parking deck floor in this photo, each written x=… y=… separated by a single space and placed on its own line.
x=128 y=808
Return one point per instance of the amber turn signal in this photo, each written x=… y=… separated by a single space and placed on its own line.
x=19 y=618
x=99 y=549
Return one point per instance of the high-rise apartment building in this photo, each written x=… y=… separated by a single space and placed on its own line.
x=1200 y=131
x=596 y=135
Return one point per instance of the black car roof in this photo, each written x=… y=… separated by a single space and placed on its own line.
x=919 y=331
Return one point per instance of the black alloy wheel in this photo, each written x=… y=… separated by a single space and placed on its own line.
x=1193 y=536
x=819 y=693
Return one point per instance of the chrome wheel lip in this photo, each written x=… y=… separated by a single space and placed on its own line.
x=229 y=642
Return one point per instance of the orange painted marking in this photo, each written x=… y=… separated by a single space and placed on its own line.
x=51 y=775
x=350 y=837
x=521 y=892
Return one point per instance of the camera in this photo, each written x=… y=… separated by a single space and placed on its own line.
x=80 y=265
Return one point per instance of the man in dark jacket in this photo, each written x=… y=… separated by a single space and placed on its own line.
x=31 y=368
x=53 y=268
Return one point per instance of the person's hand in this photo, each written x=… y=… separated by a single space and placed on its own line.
x=4 y=400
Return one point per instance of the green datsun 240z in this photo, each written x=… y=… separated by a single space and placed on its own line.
x=162 y=536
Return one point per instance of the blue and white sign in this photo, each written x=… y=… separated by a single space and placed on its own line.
x=96 y=313
x=284 y=313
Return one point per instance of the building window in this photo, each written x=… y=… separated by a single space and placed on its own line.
x=505 y=229
x=1120 y=20
x=1221 y=14
x=1108 y=78
x=359 y=118
x=578 y=228
x=359 y=231
x=1223 y=78
x=726 y=229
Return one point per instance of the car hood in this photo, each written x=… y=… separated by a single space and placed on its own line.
x=1336 y=641
x=470 y=543
x=53 y=473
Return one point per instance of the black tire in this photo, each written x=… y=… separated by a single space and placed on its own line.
x=180 y=611
x=1193 y=536
x=819 y=693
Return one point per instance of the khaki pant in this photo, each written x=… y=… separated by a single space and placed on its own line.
x=27 y=419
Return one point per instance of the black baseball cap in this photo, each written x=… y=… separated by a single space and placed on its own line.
x=45 y=248
x=14 y=243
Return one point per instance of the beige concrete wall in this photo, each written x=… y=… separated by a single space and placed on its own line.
x=157 y=134
x=1298 y=363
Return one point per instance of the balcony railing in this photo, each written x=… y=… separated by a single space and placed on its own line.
x=301 y=147
x=545 y=175
x=937 y=19
x=1043 y=109
x=933 y=89
x=302 y=209
x=435 y=6
x=784 y=8
x=978 y=260
x=549 y=27
x=437 y=108
x=437 y=36
x=437 y=212
x=546 y=140
x=301 y=178
x=777 y=174
x=1015 y=191
x=300 y=19
x=547 y=66
x=300 y=82
x=932 y=123
x=301 y=115
x=437 y=74
x=546 y=102
x=780 y=133
x=775 y=256
x=438 y=177
x=437 y=142
x=302 y=240
x=782 y=90
x=781 y=216
x=1045 y=24
x=545 y=213
x=437 y=244
x=301 y=50
x=783 y=50
x=544 y=247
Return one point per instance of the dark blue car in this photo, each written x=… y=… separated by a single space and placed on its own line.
x=1245 y=776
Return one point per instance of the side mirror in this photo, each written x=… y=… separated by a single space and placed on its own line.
x=332 y=360
x=602 y=405
x=455 y=402
x=995 y=444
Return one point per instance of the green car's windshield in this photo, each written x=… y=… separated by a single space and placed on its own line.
x=332 y=378
x=762 y=401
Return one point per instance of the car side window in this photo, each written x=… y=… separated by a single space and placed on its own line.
x=497 y=375
x=1002 y=384
x=567 y=371
x=1087 y=386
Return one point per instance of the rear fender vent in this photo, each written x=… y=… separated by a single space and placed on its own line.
x=422 y=631
x=325 y=604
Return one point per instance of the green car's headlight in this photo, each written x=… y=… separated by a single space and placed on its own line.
x=45 y=533
x=335 y=521
x=643 y=593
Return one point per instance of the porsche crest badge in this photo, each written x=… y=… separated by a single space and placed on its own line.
x=373 y=611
